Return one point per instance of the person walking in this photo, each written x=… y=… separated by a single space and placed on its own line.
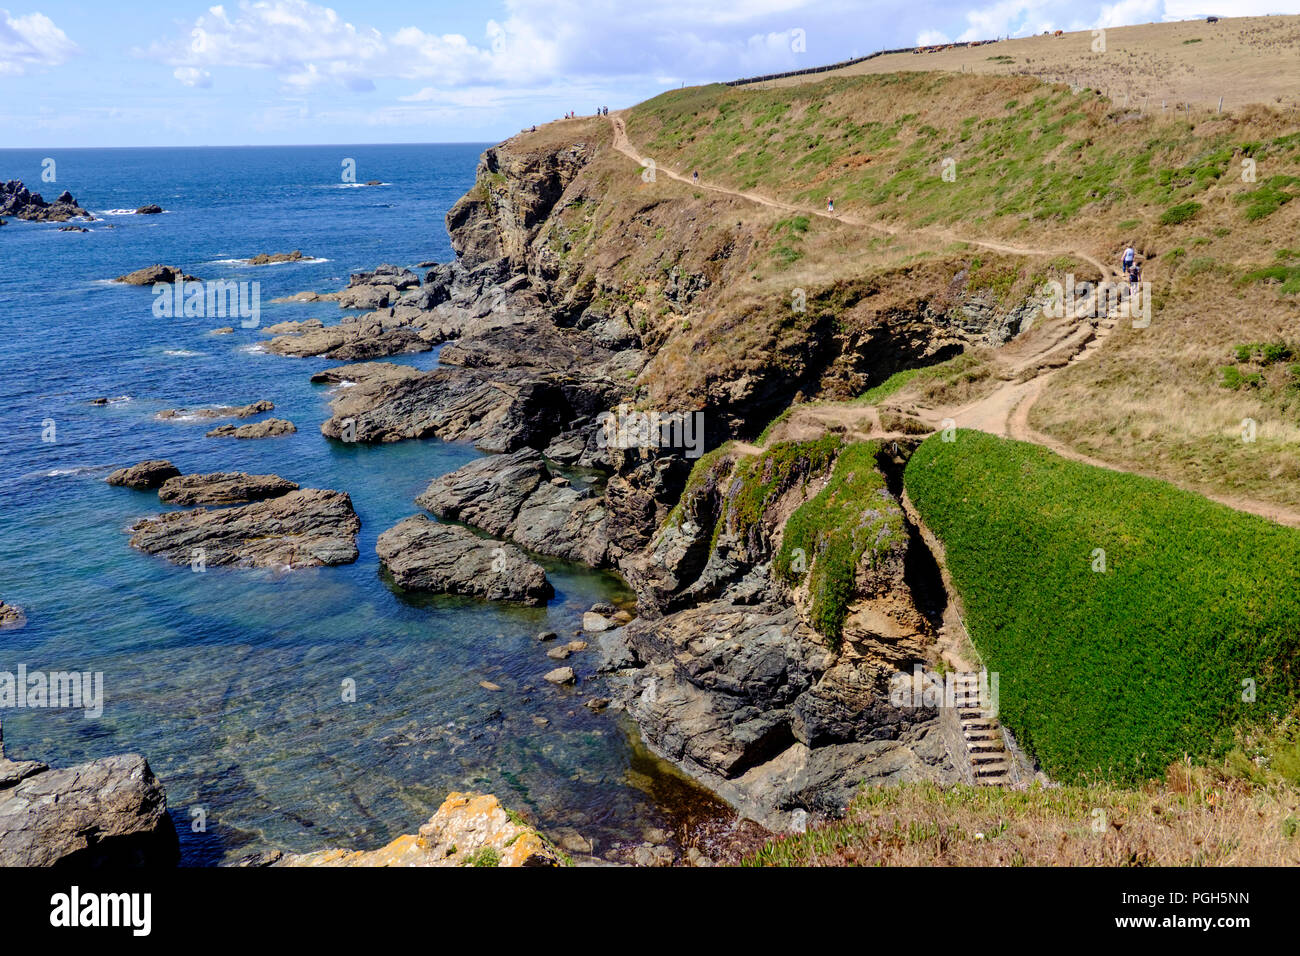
x=830 y=205
x=1134 y=278
x=695 y=177
x=1127 y=261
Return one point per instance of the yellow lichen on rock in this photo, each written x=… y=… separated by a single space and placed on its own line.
x=469 y=829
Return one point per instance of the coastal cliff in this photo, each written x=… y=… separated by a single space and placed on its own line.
x=581 y=290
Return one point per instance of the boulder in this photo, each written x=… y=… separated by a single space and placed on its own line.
x=11 y=616
x=109 y=812
x=304 y=528
x=516 y=496
x=149 y=209
x=267 y=428
x=265 y=259
x=145 y=475
x=223 y=488
x=151 y=275
x=469 y=829
x=423 y=555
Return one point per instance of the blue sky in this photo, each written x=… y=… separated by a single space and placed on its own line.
x=126 y=73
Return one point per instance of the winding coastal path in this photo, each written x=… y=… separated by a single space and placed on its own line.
x=1025 y=366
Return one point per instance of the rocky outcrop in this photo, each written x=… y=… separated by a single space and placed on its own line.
x=221 y=411
x=144 y=476
x=151 y=275
x=423 y=555
x=223 y=488
x=468 y=830
x=265 y=259
x=18 y=201
x=728 y=676
x=304 y=528
x=378 y=288
x=357 y=338
x=149 y=209
x=11 y=616
x=266 y=428
x=107 y=812
x=516 y=496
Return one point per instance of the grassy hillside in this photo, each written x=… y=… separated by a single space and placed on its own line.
x=1120 y=671
x=1208 y=204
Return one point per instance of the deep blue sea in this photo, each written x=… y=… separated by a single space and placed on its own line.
x=229 y=681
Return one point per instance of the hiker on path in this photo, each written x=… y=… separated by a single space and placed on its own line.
x=695 y=177
x=830 y=205
x=1134 y=278
x=1127 y=261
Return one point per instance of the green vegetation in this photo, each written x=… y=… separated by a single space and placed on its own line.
x=1122 y=671
x=852 y=516
x=1045 y=153
x=1269 y=197
x=1176 y=215
x=483 y=856
x=1286 y=270
x=759 y=479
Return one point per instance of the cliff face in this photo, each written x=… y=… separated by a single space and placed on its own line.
x=767 y=639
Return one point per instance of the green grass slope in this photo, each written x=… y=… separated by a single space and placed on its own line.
x=1116 y=672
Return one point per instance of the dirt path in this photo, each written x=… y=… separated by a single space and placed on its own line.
x=1005 y=411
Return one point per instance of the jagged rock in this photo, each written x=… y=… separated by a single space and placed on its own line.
x=108 y=812
x=151 y=275
x=514 y=496
x=221 y=411
x=149 y=209
x=18 y=201
x=265 y=259
x=223 y=488
x=73 y=229
x=145 y=475
x=292 y=328
x=423 y=555
x=303 y=528
x=468 y=830
x=11 y=616
x=373 y=336
x=267 y=428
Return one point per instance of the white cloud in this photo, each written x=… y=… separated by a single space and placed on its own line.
x=192 y=76
x=31 y=42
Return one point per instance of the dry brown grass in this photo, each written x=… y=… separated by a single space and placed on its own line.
x=1194 y=818
x=1242 y=59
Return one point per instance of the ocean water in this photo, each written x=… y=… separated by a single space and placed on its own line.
x=230 y=681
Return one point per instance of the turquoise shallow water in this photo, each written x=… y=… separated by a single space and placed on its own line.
x=230 y=681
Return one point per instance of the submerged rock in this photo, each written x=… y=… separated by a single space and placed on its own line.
x=304 y=528
x=221 y=411
x=145 y=475
x=223 y=488
x=423 y=555
x=469 y=829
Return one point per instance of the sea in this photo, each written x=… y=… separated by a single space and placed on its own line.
x=234 y=683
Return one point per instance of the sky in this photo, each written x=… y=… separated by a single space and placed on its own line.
x=269 y=72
